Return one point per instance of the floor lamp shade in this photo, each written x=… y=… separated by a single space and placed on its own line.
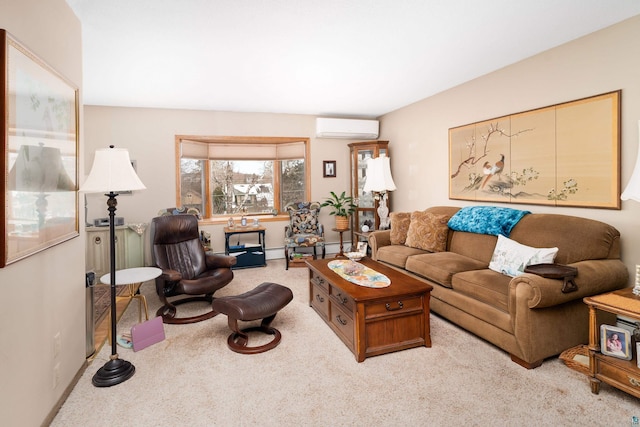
x=112 y=172
x=632 y=191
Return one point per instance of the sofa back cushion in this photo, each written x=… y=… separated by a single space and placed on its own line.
x=400 y=222
x=473 y=245
x=576 y=238
x=428 y=231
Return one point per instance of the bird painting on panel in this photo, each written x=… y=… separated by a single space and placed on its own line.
x=490 y=170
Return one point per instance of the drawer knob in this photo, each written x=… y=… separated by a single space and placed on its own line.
x=342 y=299
x=340 y=320
x=319 y=298
x=389 y=308
x=634 y=382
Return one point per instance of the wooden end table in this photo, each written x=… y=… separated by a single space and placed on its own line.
x=372 y=321
x=341 y=255
x=621 y=374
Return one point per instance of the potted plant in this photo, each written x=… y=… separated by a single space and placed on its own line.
x=342 y=207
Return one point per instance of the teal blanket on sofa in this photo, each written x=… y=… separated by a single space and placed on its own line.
x=486 y=220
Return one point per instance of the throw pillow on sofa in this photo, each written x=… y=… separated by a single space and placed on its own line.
x=511 y=258
x=399 y=227
x=428 y=231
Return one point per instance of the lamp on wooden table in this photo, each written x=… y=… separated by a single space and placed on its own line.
x=632 y=191
x=380 y=181
x=111 y=173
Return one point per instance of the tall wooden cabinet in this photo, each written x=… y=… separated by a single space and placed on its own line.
x=367 y=205
x=129 y=249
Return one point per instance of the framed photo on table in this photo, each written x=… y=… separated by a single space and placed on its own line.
x=39 y=144
x=362 y=247
x=615 y=342
x=329 y=168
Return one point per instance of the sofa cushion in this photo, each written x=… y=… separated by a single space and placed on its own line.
x=428 y=231
x=511 y=258
x=484 y=285
x=577 y=239
x=441 y=266
x=397 y=254
x=399 y=227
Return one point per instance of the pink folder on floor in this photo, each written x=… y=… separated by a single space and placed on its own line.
x=147 y=333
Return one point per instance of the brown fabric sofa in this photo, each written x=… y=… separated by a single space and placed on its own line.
x=528 y=316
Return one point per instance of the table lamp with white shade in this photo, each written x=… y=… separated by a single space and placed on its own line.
x=112 y=173
x=379 y=180
x=632 y=191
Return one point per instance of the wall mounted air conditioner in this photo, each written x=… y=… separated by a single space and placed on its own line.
x=346 y=128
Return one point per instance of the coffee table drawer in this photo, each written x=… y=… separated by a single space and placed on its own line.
x=343 y=322
x=343 y=299
x=320 y=300
x=398 y=306
x=320 y=282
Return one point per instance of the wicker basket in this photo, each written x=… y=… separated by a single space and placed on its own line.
x=568 y=357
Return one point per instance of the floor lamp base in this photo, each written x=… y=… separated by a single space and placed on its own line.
x=115 y=371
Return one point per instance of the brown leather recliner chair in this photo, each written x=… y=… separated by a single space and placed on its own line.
x=186 y=268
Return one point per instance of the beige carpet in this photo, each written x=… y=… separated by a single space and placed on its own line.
x=193 y=379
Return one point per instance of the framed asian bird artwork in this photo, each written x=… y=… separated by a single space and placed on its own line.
x=562 y=155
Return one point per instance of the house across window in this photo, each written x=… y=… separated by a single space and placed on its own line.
x=231 y=176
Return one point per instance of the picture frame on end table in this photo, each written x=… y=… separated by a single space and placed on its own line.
x=39 y=146
x=362 y=247
x=615 y=342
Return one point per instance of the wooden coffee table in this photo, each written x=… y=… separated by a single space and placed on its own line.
x=371 y=321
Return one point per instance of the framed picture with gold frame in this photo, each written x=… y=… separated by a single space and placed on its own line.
x=561 y=155
x=39 y=144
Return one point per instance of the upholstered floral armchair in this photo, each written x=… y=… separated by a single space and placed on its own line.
x=304 y=229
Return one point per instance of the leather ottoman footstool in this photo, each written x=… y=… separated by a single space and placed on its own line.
x=262 y=302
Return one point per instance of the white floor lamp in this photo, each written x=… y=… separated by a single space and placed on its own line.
x=632 y=191
x=379 y=180
x=111 y=173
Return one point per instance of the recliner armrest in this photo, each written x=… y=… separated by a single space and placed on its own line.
x=170 y=275
x=220 y=261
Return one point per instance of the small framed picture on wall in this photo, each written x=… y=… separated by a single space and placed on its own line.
x=329 y=168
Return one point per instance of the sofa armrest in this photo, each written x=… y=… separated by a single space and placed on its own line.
x=594 y=277
x=378 y=239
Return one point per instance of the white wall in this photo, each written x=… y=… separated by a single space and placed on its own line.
x=43 y=294
x=149 y=135
x=601 y=62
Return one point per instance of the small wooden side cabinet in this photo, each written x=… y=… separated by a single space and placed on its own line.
x=619 y=373
x=247 y=255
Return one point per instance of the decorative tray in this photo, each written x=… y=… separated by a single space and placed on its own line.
x=359 y=274
x=556 y=271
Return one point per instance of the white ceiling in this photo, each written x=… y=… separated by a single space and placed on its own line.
x=350 y=58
